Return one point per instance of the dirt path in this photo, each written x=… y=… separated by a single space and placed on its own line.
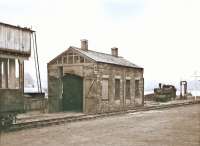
x=171 y=127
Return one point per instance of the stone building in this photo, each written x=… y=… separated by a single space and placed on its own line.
x=92 y=82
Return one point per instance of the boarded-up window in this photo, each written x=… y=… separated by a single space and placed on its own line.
x=128 y=88
x=137 y=92
x=117 y=88
x=105 y=89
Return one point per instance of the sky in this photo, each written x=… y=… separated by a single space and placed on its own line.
x=162 y=36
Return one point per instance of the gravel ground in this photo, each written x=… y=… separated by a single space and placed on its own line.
x=170 y=127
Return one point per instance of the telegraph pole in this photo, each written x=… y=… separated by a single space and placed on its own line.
x=196 y=76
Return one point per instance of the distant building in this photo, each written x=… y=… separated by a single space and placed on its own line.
x=28 y=81
x=92 y=82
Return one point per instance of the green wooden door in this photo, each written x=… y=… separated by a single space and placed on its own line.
x=72 y=93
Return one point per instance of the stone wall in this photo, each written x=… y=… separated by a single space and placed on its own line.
x=93 y=75
x=11 y=100
x=54 y=89
x=35 y=102
x=97 y=104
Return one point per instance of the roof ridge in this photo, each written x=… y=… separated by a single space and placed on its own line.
x=97 y=52
x=107 y=54
x=98 y=56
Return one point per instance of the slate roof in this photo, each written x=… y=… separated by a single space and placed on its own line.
x=106 y=58
x=101 y=57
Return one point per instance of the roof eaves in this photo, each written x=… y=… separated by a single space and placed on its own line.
x=121 y=65
x=51 y=61
x=17 y=27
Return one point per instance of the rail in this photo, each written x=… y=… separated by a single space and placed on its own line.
x=58 y=121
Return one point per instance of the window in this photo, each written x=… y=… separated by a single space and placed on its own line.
x=81 y=60
x=60 y=60
x=70 y=59
x=117 y=89
x=65 y=60
x=76 y=59
x=70 y=53
x=105 y=89
x=137 y=93
x=128 y=92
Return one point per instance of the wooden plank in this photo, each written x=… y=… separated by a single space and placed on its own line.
x=105 y=89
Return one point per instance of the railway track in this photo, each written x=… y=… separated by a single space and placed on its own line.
x=58 y=121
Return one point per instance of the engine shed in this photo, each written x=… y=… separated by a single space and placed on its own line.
x=15 y=48
x=87 y=81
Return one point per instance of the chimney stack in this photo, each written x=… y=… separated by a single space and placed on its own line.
x=114 y=51
x=84 y=44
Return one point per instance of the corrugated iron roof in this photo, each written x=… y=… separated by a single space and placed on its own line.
x=106 y=58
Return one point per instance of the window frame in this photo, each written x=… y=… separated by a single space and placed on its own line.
x=117 y=88
x=103 y=87
x=128 y=90
x=137 y=88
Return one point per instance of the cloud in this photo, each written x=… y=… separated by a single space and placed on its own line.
x=118 y=10
x=162 y=36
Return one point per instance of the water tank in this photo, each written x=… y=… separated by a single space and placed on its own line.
x=15 y=40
